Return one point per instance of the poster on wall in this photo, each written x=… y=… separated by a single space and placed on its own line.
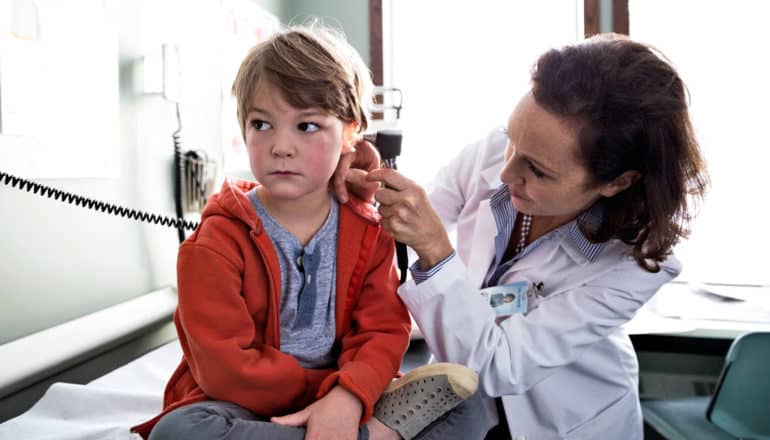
x=59 y=114
x=244 y=24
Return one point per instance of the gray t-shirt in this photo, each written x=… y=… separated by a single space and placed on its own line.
x=308 y=280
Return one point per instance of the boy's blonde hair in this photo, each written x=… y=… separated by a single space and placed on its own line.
x=312 y=66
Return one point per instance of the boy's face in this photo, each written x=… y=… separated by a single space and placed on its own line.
x=293 y=152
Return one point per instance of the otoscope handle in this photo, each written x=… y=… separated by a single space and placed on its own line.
x=388 y=143
x=402 y=259
x=389 y=163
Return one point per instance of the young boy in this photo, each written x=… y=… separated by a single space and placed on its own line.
x=287 y=300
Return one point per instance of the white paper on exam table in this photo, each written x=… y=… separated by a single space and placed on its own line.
x=105 y=408
x=714 y=302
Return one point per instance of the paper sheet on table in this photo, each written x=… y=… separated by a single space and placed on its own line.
x=106 y=408
x=723 y=303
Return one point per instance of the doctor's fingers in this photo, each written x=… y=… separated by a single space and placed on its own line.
x=401 y=231
x=409 y=223
x=399 y=213
x=422 y=232
x=412 y=196
x=392 y=179
x=352 y=169
x=340 y=176
x=408 y=204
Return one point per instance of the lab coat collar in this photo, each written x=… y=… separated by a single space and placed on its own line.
x=491 y=176
x=575 y=243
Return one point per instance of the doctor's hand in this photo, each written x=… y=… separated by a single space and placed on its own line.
x=350 y=175
x=408 y=215
x=334 y=416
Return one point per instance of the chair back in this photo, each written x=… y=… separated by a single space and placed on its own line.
x=740 y=405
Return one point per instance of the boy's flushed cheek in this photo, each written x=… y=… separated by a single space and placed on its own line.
x=319 y=159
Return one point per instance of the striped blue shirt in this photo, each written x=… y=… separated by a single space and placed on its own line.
x=505 y=218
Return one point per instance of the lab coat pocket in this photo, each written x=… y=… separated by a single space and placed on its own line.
x=534 y=297
x=620 y=420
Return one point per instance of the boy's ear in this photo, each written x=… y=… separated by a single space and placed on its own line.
x=349 y=137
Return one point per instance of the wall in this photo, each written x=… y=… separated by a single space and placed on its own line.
x=350 y=16
x=59 y=262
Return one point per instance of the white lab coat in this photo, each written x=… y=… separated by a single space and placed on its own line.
x=566 y=368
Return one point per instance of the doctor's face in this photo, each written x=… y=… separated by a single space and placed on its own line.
x=542 y=169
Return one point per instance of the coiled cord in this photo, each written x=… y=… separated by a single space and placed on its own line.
x=178 y=167
x=74 y=199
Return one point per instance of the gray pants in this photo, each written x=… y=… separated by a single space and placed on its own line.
x=212 y=420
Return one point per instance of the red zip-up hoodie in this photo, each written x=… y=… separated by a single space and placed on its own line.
x=229 y=286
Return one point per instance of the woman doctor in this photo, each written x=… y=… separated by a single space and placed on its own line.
x=573 y=209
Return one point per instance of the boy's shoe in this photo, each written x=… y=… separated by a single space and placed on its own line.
x=421 y=396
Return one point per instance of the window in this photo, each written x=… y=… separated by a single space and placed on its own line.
x=463 y=68
x=720 y=50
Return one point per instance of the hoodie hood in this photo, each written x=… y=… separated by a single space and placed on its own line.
x=231 y=201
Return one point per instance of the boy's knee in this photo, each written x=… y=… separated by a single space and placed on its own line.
x=472 y=408
x=472 y=417
x=188 y=422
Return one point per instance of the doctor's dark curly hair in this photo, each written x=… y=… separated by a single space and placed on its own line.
x=631 y=108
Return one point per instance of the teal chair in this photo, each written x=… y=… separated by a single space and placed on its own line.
x=739 y=407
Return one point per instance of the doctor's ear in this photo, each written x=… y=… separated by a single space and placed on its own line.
x=350 y=137
x=620 y=183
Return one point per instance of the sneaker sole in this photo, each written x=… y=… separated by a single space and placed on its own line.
x=463 y=380
x=423 y=395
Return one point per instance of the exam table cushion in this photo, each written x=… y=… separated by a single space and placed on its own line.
x=104 y=408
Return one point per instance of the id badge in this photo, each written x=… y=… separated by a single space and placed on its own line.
x=507 y=299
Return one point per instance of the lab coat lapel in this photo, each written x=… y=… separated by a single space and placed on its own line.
x=538 y=257
x=484 y=229
x=483 y=239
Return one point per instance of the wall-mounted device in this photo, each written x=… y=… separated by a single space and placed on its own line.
x=198 y=177
x=159 y=73
x=386 y=110
x=388 y=99
x=194 y=173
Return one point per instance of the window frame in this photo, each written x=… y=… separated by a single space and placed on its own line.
x=592 y=10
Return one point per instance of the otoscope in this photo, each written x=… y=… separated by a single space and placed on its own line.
x=388 y=143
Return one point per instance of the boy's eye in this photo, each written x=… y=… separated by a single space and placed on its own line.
x=260 y=125
x=308 y=127
x=536 y=171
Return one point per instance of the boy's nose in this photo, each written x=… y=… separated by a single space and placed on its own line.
x=279 y=152
x=282 y=147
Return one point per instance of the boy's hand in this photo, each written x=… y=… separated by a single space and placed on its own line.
x=334 y=416
x=351 y=172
